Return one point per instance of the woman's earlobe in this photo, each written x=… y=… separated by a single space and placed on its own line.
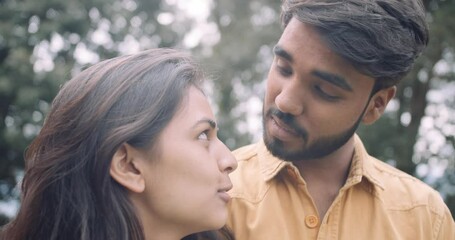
x=124 y=169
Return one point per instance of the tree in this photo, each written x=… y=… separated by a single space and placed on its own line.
x=240 y=60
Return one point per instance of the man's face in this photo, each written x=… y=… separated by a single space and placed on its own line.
x=314 y=99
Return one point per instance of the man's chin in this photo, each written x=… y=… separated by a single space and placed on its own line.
x=282 y=150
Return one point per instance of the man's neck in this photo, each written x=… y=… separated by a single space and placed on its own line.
x=325 y=176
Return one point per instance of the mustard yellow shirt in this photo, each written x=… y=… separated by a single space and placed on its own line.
x=270 y=201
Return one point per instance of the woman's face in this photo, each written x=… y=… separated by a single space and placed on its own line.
x=187 y=177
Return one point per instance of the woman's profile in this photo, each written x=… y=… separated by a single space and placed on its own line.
x=129 y=150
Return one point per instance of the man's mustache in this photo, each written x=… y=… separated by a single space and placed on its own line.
x=289 y=120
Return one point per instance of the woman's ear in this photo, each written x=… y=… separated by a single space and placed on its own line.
x=124 y=168
x=377 y=104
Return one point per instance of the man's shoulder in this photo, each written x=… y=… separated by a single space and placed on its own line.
x=245 y=153
x=247 y=159
x=397 y=180
x=407 y=197
x=247 y=179
x=401 y=191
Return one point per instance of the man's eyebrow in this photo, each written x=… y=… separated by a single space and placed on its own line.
x=211 y=122
x=279 y=51
x=333 y=79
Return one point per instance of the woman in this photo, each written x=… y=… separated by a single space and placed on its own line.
x=128 y=151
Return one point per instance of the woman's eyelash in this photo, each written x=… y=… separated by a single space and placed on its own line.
x=205 y=135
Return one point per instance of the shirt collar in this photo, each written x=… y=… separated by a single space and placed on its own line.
x=361 y=167
x=269 y=164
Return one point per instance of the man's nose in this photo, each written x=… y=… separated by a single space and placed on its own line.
x=289 y=100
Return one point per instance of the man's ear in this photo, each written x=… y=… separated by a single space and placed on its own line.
x=125 y=169
x=377 y=104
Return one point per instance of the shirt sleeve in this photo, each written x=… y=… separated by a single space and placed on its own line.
x=446 y=229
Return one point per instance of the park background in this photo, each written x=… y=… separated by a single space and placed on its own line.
x=44 y=43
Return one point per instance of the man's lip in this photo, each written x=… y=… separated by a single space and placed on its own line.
x=284 y=126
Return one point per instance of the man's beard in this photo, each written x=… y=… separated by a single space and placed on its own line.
x=320 y=148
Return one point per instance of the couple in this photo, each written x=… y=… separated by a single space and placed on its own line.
x=129 y=149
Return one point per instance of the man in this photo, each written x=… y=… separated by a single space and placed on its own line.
x=336 y=65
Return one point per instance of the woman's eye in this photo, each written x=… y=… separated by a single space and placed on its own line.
x=204 y=136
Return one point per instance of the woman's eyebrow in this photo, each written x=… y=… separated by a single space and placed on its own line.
x=211 y=122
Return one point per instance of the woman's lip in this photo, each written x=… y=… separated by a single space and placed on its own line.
x=224 y=196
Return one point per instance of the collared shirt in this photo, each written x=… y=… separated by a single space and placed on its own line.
x=270 y=201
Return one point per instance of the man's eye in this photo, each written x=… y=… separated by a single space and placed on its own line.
x=283 y=68
x=325 y=95
x=286 y=72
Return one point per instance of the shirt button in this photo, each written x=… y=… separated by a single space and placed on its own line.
x=311 y=221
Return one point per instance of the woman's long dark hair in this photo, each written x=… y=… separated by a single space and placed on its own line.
x=67 y=191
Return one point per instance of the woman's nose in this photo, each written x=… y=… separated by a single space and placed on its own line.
x=227 y=162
